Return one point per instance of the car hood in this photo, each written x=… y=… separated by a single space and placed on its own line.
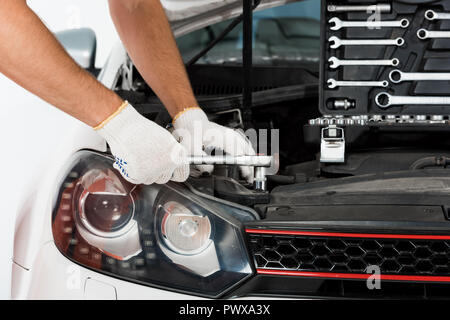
x=189 y=15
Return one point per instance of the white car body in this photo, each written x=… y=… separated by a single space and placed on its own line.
x=37 y=141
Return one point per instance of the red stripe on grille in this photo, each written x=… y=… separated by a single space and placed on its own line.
x=351 y=275
x=349 y=235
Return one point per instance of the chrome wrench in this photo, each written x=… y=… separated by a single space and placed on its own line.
x=396 y=76
x=336 y=62
x=432 y=15
x=260 y=163
x=253 y=161
x=338 y=24
x=332 y=83
x=385 y=7
x=424 y=34
x=335 y=42
x=384 y=100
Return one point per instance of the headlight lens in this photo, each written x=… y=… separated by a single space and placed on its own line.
x=156 y=235
x=182 y=230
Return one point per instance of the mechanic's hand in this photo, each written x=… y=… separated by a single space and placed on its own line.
x=196 y=133
x=144 y=152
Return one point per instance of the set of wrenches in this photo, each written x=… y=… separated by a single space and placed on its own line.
x=431 y=15
x=338 y=24
x=335 y=62
x=335 y=42
x=423 y=34
x=385 y=100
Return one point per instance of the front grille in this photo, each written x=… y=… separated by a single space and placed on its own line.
x=427 y=256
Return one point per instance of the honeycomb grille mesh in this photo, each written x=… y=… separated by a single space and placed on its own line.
x=351 y=255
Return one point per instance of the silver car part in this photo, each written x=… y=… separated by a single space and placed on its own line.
x=338 y=24
x=384 y=100
x=385 y=7
x=432 y=15
x=336 y=62
x=335 y=42
x=332 y=83
x=396 y=76
x=424 y=34
x=332 y=145
x=344 y=104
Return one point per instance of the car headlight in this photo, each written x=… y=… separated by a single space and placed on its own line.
x=159 y=235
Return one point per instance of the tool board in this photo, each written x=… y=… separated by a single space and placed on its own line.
x=387 y=57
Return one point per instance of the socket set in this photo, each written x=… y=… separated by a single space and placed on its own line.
x=378 y=119
x=385 y=58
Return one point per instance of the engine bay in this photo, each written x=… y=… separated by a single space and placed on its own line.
x=371 y=152
x=320 y=145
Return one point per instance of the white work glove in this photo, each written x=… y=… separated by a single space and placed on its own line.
x=144 y=152
x=196 y=133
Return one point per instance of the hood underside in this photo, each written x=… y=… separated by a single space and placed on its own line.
x=189 y=15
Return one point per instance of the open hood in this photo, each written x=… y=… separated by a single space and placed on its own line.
x=189 y=15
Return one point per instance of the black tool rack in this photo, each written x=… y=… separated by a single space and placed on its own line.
x=415 y=55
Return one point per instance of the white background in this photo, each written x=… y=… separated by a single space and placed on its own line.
x=19 y=146
x=69 y=14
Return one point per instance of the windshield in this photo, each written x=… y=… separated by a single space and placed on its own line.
x=282 y=36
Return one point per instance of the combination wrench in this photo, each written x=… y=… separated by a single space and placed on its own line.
x=384 y=100
x=338 y=24
x=384 y=7
x=424 y=34
x=432 y=15
x=332 y=83
x=396 y=76
x=335 y=42
x=336 y=62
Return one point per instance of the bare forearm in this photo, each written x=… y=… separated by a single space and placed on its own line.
x=32 y=57
x=145 y=31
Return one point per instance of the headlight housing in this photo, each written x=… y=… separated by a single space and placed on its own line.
x=159 y=235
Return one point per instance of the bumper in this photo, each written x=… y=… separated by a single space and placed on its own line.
x=55 y=277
